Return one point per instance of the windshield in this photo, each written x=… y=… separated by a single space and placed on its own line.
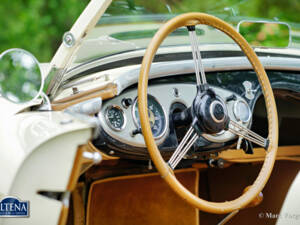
x=129 y=25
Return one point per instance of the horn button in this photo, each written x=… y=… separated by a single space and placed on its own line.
x=209 y=112
x=217 y=111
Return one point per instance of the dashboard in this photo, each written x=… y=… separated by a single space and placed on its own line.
x=120 y=123
x=172 y=90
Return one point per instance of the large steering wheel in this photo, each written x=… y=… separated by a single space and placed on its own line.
x=209 y=114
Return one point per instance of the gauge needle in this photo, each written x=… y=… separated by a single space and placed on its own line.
x=151 y=117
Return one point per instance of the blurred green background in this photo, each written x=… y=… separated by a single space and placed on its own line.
x=38 y=25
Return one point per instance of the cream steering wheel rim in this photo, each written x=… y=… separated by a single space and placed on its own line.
x=162 y=167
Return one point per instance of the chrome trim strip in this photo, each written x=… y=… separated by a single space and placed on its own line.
x=170 y=50
x=165 y=69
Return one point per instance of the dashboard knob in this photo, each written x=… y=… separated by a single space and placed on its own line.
x=136 y=131
x=231 y=98
x=126 y=102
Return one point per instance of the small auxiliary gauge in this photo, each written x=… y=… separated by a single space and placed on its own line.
x=242 y=111
x=115 y=118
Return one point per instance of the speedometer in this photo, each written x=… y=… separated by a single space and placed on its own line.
x=156 y=114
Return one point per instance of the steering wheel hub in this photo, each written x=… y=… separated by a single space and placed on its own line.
x=209 y=112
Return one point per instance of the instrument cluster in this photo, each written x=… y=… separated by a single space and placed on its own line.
x=120 y=118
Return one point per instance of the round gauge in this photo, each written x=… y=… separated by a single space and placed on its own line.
x=242 y=111
x=115 y=118
x=156 y=114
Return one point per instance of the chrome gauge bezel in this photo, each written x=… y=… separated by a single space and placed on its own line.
x=236 y=113
x=108 y=122
x=164 y=111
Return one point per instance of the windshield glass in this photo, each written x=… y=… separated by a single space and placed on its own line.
x=129 y=25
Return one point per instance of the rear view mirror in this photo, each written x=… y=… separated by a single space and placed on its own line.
x=265 y=34
x=20 y=76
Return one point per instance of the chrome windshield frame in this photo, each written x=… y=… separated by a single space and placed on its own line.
x=70 y=44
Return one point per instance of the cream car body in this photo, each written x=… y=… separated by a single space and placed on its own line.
x=38 y=149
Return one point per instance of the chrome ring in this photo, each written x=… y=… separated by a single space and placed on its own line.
x=211 y=111
x=236 y=113
x=165 y=115
x=107 y=120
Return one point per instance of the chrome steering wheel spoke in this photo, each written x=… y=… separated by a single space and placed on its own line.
x=248 y=134
x=199 y=68
x=189 y=139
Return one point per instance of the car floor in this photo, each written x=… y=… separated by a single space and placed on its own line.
x=136 y=199
x=227 y=184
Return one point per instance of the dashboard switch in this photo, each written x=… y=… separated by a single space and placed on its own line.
x=136 y=131
x=231 y=98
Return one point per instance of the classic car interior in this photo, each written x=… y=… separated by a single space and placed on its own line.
x=215 y=158
x=189 y=130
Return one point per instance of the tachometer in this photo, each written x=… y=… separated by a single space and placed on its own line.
x=157 y=117
x=115 y=118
